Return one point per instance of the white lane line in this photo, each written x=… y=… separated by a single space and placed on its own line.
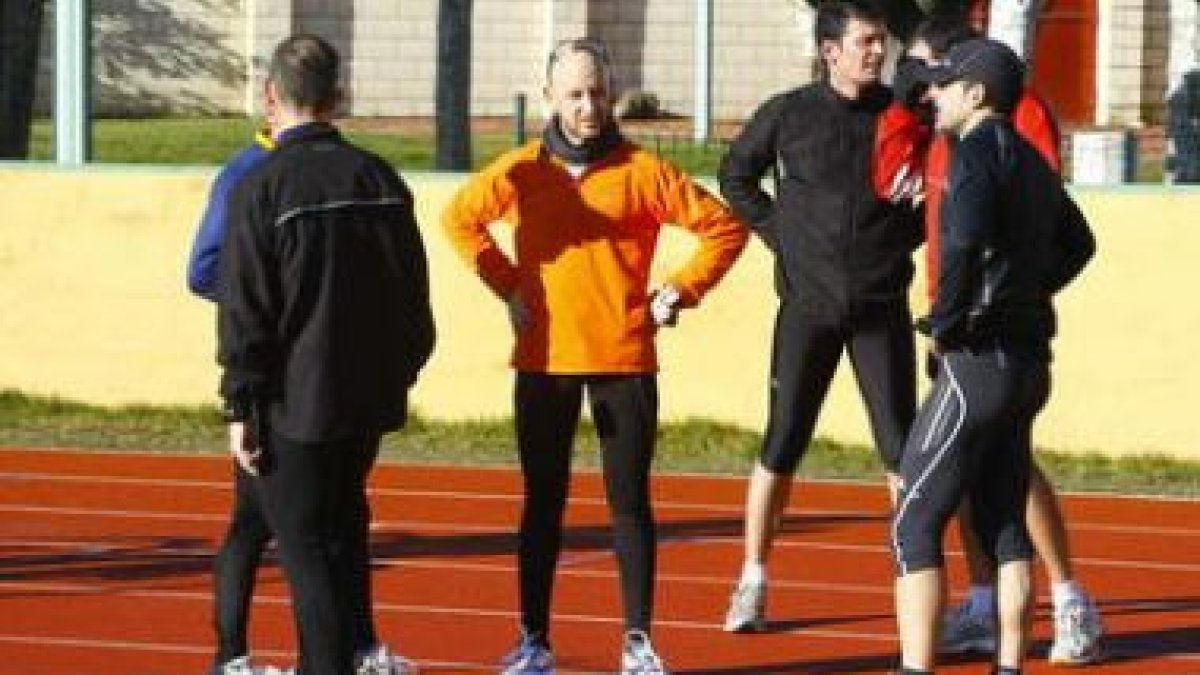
x=506 y=615
x=455 y=529
x=737 y=510
x=165 y=648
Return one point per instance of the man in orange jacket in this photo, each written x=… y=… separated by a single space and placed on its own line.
x=972 y=626
x=586 y=206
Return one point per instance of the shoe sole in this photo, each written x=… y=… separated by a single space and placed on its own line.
x=753 y=626
x=1089 y=659
x=975 y=647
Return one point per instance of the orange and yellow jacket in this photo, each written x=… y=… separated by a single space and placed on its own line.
x=583 y=251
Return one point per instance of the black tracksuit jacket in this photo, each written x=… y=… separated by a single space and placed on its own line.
x=838 y=247
x=1011 y=237
x=323 y=310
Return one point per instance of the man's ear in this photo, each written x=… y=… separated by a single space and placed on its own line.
x=271 y=93
x=830 y=50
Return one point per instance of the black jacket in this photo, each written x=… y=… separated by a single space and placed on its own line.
x=1011 y=238
x=838 y=247
x=323 y=310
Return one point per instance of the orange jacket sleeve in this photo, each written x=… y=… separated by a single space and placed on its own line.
x=681 y=201
x=483 y=200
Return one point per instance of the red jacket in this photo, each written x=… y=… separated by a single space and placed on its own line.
x=902 y=147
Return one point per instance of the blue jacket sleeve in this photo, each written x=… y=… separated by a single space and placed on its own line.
x=206 y=247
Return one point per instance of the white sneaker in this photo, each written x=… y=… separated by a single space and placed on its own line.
x=381 y=661
x=964 y=631
x=532 y=656
x=243 y=666
x=1077 y=631
x=747 y=609
x=638 y=657
x=239 y=666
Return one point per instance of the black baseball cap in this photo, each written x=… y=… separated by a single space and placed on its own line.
x=987 y=61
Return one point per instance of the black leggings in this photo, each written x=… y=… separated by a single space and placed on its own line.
x=973 y=435
x=235 y=566
x=804 y=357
x=314 y=496
x=625 y=412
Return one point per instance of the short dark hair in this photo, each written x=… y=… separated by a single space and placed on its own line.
x=305 y=69
x=833 y=16
x=943 y=31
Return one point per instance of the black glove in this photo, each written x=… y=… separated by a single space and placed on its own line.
x=910 y=83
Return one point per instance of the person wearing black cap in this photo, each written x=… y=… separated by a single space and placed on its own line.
x=971 y=627
x=1010 y=239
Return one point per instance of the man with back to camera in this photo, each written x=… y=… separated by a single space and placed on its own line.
x=1010 y=238
x=323 y=325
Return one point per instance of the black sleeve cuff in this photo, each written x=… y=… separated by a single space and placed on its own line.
x=237 y=410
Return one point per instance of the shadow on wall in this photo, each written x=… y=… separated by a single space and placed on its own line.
x=1183 y=130
x=334 y=22
x=622 y=27
x=140 y=41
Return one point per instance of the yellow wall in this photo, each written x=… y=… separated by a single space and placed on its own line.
x=94 y=307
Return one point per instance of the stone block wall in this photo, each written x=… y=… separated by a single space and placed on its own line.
x=198 y=56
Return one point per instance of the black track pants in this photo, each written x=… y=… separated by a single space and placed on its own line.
x=625 y=412
x=804 y=357
x=235 y=566
x=314 y=495
x=973 y=437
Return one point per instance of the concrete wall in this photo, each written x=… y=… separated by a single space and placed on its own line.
x=91 y=282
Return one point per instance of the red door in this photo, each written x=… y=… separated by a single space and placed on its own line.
x=1064 y=57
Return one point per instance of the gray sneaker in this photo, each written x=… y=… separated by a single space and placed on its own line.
x=747 y=609
x=382 y=661
x=1077 y=631
x=964 y=632
x=638 y=656
x=532 y=656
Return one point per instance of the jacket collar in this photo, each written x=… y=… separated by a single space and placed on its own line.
x=306 y=132
x=874 y=97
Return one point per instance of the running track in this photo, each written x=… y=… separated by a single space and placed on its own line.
x=104 y=569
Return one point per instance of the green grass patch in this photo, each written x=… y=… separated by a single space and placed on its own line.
x=692 y=446
x=213 y=140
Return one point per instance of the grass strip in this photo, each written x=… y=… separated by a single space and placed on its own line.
x=690 y=446
x=213 y=140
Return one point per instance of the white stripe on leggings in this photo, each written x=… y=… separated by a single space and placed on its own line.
x=911 y=491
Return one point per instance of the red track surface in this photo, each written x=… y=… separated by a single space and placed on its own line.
x=104 y=568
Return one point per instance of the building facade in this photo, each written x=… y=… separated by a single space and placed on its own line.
x=1100 y=62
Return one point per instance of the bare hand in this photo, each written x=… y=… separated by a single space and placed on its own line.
x=244 y=447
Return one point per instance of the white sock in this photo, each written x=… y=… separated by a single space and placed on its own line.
x=1062 y=592
x=754 y=573
x=981 y=600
